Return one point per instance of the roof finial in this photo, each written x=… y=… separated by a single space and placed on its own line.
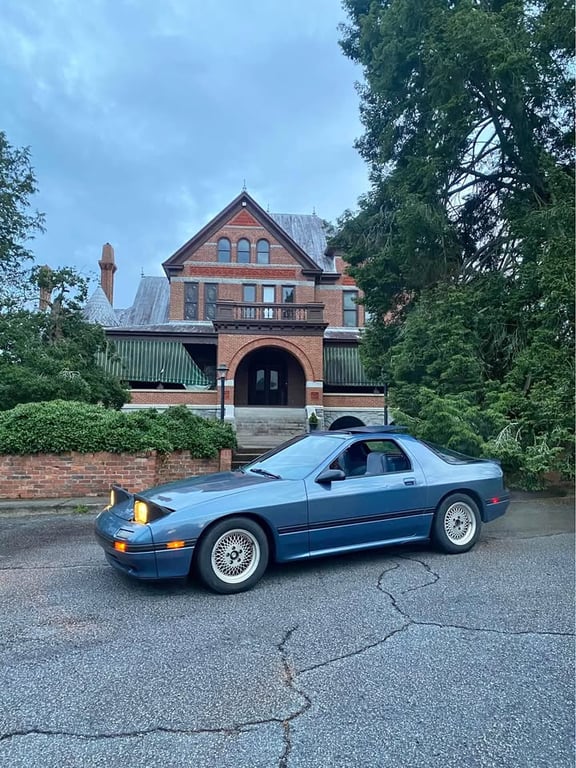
x=244 y=186
x=141 y=271
x=268 y=208
x=313 y=210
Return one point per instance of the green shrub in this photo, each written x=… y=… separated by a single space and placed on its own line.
x=60 y=426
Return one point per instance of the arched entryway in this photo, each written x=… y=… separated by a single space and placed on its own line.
x=346 y=422
x=270 y=377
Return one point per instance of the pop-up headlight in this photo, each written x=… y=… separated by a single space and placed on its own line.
x=118 y=495
x=146 y=511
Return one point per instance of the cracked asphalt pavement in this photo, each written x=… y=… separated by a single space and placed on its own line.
x=396 y=657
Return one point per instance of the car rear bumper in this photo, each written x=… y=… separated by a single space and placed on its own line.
x=494 y=508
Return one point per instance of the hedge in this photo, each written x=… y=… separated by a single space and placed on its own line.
x=60 y=426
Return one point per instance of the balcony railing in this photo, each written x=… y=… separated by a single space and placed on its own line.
x=251 y=315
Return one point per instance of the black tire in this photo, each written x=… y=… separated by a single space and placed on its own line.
x=457 y=524
x=232 y=556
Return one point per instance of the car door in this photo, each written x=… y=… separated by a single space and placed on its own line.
x=369 y=509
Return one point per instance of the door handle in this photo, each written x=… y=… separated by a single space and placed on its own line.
x=409 y=481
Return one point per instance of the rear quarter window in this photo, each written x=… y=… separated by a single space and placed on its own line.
x=450 y=456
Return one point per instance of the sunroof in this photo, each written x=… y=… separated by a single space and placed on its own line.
x=375 y=429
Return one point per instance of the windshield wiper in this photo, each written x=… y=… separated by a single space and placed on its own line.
x=266 y=473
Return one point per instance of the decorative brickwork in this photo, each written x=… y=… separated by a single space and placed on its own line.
x=67 y=475
x=307 y=350
x=244 y=219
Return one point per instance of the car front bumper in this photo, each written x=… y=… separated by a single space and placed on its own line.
x=150 y=563
x=132 y=550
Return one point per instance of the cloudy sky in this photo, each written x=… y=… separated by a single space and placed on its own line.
x=144 y=117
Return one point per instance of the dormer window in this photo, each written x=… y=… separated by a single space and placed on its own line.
x=224 y=249
x=243 y=251
x=263 y=252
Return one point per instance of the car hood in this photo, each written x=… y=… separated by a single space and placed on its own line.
x=195 y=490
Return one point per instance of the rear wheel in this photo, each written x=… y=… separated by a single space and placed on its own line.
x=457 y=524
x=233 y=555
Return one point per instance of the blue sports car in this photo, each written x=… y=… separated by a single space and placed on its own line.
x=319 y=494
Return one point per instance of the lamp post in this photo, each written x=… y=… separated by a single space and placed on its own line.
x=385 y=388
x=222 y=370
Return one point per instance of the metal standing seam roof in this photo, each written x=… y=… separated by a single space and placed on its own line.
x=342 y=366
x=151 y=304
x=162 y=361
x=308 y=232
x=99 y=310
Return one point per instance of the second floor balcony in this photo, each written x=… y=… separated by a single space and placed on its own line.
x=268 y=318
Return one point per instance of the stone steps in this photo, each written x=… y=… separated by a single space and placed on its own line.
x=265 y=428
x=245 y=456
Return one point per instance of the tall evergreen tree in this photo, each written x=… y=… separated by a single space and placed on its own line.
x=464 y=245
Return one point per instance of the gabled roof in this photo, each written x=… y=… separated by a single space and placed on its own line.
x=242 y=202
x=99 y=310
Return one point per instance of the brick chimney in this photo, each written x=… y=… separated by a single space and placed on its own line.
x=107 y=269
x=45 y=288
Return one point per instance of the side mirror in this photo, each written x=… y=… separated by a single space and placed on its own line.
x=329 y=475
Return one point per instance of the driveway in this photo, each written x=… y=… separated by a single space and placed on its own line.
x=400 y=657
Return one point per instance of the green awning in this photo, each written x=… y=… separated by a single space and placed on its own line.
x=163 y=361
x=343 y=367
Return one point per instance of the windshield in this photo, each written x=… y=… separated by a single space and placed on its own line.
x=296 y=459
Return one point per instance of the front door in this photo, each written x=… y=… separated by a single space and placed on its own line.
x=267 y=385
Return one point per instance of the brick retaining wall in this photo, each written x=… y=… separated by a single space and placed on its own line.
x=67 y=475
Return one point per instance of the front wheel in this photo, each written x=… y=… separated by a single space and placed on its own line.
x=233 y=555
x=457 y=524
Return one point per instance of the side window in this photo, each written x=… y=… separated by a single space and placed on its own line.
x=393 y=458
x=248 y=297
x=372 y=457
x=243 y=251
x=224 y=250
x=210 y=299
x=190 y=301
x=352 y=461
x=288 y=298
x=263 y=252
x=350 y=308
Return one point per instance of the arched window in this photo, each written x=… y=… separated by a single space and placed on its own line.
x=224 y=249
x=243 y=251
x=263 y=252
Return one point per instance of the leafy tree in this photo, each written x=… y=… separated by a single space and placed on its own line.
x=44 y=355
x=464 y=245
x=17 y=224
x=52 y=354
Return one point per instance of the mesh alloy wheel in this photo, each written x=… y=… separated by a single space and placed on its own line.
x=459 y=523
x=235 y=556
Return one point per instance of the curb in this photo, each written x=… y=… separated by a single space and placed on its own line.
x=73 y=506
